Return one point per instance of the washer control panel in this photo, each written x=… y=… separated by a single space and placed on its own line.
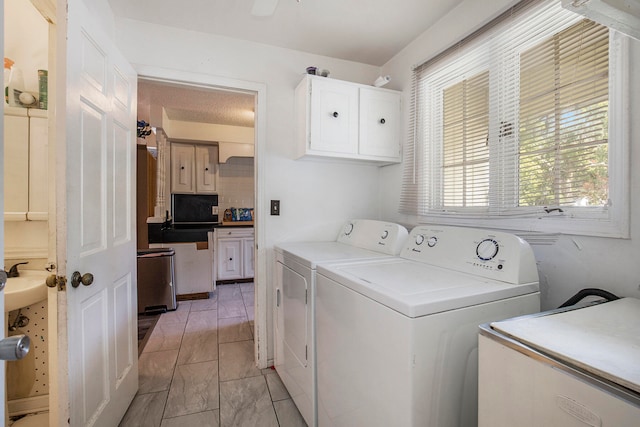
x=492 y=254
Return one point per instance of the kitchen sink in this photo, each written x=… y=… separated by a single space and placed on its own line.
x=29 y=288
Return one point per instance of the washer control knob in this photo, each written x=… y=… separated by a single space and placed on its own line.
x=431 y=241
x=419 y=239
x=385 y=234
x=487 y=249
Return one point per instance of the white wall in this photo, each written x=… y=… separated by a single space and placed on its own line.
x=316 y=196
x=573 y=262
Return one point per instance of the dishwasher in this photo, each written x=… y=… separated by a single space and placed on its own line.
x=156 y=281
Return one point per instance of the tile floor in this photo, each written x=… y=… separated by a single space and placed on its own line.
x=197 y=369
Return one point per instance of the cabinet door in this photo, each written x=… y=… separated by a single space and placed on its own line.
x=334 y=116
x=206 y=164
x=182 y=168
x=38 y=168
x=247 y=258
x=16 y=167
x=379 y=123
x=229 y=259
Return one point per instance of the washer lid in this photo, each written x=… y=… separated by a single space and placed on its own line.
x=310 y=254
x=603 y=339
x=416 y=289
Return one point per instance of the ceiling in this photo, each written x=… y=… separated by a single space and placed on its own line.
x=365 y=31
x=203 y=105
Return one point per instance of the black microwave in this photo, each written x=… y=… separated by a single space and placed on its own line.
x=194 y=208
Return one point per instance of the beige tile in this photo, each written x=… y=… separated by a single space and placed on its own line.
x=288 y=414
x=201 y=419
x=250 y=312
x=200 y=321
x=248 y=299
x=145 y=410
x=246 y=288
x=155 y=370
x=198 y=346
x=276 y=388
x=234 y=329
x=194 y=389
x=178 y=316
x=229 y=292
x=205 y=304
x=165 y=336
x=237 y=360
x=245 y=403
x=231 y=308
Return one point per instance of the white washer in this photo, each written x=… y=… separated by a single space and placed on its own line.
x=397 y=338
x=570 y=367
x=295 y=299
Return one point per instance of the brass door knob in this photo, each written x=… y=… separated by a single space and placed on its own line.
x=77 y=278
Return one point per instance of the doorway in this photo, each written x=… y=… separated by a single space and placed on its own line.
x=186 y=105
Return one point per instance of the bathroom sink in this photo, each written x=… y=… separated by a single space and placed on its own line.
x=29 y=288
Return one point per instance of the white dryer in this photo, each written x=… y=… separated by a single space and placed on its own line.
x=295 y=298
x=397 y=337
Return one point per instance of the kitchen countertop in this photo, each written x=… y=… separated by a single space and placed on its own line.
x=158 y=233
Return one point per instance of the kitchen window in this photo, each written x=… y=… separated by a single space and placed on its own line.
x=523 y=126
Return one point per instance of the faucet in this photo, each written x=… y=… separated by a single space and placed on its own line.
x=13 y=271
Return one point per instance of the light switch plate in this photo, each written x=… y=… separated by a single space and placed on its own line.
x=214 y=210
x=275 y=207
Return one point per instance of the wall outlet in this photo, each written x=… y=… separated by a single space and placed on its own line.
x=275 y=207
x=214 y=210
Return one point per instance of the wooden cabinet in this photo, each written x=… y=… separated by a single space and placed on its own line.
x=234 y=253
x=346 y=120
x=193 y=168
x=26 y=154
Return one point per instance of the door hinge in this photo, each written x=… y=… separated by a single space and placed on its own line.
x=54 y=281
x=306 y=296
x=306 y=352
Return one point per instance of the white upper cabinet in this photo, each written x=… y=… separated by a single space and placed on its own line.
x=206 y=165
x=347 y=120
x=333 y=117
x=26 y=154
x=193 y=168
x=379 y=123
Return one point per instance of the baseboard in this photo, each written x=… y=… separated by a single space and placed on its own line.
x=189 y=297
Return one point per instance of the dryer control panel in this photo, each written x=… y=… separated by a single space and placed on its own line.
x=379 y=236
x=491 y=254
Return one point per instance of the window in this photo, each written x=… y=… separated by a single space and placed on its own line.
x=517 y=126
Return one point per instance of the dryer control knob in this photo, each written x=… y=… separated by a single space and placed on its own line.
x=432 y=241
x=419 y=239
x=385 y=234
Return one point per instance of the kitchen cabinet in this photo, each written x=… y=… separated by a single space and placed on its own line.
x=234 y=253
x=26 y=154
x=193 y=260
x=338 y=119
x=193 y=168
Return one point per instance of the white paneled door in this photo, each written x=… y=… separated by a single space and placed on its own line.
x=100 y=241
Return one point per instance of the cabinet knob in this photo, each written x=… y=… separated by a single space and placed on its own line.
x=383 y=121
x=335 y=114
x=182 y=167
x=206 y=169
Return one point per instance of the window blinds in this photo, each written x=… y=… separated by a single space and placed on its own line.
x=513 y=116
